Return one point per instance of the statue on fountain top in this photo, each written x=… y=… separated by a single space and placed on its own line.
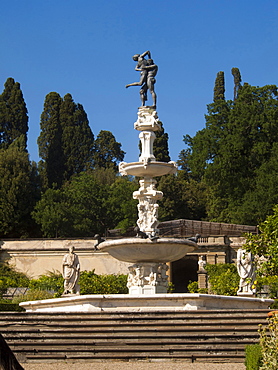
x=148 y=70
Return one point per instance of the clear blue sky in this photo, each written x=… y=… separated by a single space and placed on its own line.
x=85 y=48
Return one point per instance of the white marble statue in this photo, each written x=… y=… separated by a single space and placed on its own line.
x=202 y=263
x=71 y=272
x=246 y=271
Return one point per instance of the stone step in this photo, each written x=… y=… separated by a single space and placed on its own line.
x=196 y=357
x=145 y=333
x=138 y=315
x=188 y=336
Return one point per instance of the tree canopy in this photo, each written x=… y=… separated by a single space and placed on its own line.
x=107 y=151
x=13 y=114
x=65 y=142
x=18 y=191
x=235 y=153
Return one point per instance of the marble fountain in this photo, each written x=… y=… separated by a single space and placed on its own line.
x=147 y=253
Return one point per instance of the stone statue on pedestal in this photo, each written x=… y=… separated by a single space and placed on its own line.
x=246 y=271
x=148 y=70
x=71 y=272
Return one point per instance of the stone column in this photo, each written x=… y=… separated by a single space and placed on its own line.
x=147 y=197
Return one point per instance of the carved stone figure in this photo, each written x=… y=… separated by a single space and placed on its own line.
x=246 y=271
x=148 y=70
x=202 y=263
x=147 y=277
x=147 y=195
x=71 y=272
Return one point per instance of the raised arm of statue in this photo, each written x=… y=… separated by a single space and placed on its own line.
x=148 y=53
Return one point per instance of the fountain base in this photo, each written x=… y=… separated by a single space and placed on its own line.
x=145 y=303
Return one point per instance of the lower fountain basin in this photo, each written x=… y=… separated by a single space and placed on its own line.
x=151 y=169
x=161 y=250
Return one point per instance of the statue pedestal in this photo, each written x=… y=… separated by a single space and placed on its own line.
x=246 y=294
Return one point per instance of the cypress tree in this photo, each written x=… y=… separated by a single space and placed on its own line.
x=77 y=137
x=160 y=146
x=237 y=81
x=13 y=114
x=219 y=87
x=52 y=164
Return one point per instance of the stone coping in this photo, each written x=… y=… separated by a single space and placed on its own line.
x=145 y=303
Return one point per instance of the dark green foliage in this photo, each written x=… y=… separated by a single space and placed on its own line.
x=77 y=137
x=91 y=283
x=18 y=191
x=182 y=198
x=223 y=279
x=52 y=282
x=107 y=151
x=51 y=213
x=160 y=146
x=120 y=203
x=237 y=81
x=65 y=142
x=253 y=357
x=10 y=278
x=91 y=203
x=266 y=244
x=235 y=156
x=52 y=164
x=13 y=114
x=219 y=87
x=10 y=307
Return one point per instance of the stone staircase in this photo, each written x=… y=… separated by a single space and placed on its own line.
x=202 y=336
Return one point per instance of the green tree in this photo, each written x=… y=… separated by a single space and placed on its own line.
x=219 y=87
x=52 y=164
x=160 y=146
x=120 y=203
x=107 y=151
x=265 y=244
x=86 y=203
x=182 y=198
x=65 y=142
x=13 y=114
x=18 y=191
x=51 y=214
x=234 y=152
x=237 y=81
x=77 y=137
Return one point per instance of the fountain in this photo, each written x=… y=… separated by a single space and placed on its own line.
x=148 y=253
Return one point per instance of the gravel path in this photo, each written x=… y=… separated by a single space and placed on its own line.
x=138 y=365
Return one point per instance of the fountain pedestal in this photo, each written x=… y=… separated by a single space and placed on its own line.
x=148 y=278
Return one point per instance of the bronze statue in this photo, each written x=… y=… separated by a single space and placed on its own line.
x=148 y=71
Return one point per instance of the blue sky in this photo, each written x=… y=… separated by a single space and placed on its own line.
x=85 y=48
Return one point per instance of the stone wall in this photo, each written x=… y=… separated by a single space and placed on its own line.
x=37 y=257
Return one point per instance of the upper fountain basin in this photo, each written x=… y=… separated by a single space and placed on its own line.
x=149 y=169
x=135 y=250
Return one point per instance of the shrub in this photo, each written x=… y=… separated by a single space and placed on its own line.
x=7 y=305
x=9 y=277
x=253 y=357
x=271 y=282
x=192 y=287
x=223 y=279
x=33 y=295
x=269 y=343
x=91 y=283
x=52 y=282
